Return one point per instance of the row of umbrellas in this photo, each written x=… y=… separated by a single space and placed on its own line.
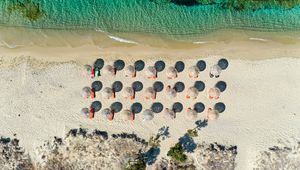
x=148 y=114
x=152 y=71
x=151 y=92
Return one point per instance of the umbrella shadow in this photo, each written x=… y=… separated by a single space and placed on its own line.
x=188 y=143
x=151 y=155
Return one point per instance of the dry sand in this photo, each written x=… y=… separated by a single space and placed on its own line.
x=41 y=95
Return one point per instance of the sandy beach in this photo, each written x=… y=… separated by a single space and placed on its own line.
x=41 y=94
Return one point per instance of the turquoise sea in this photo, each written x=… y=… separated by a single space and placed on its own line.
x=143 y=16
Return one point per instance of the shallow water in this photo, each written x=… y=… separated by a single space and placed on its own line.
x=143 y=16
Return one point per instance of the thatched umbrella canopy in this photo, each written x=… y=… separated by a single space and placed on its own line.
x=85 y=111
x=157 y=107
x=171 y=92
x=148 y=115
x=193 y=72
x=192 y=93
x=136 y=108
x=158 y=86
x=97 y=85
x=96 y=105
x=200 y=85
x=106 y=112
x=191 y=114
x=130 y=71
x=221 y=85
x=117 y=86
x=179 y=87
x=116 y=107
x=128 y=92
x=86 y=92
x=215 y=71
x=220 y=107
x=109 y=70
x=150 y=93
x=127 y=115
x=151 y=72
x=171 y=72
x=201 y=65
x=223 y=63
x=99 y=63
x=212 y=114
x=169 y=113
x=88 y=68
x=119 y=65
x=179 y=65
x=199 y=107
x=214 y=93
x=107 y=92
x=137 y=86
x=139 y=65
x=177 y=107
x=159 y=66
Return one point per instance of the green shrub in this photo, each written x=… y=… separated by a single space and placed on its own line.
x=136 y=165
x=192 y=132
x=177 y=153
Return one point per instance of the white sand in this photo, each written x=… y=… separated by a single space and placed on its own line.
x=262 y=98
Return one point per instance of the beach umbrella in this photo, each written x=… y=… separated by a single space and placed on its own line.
x=151 y=72
x=201 y=65
x=97 y=85
x=88 y=68
x=99 y=63
x=106 y=112
x=159 y=66
x=169 y=113
x=130 y=71
x=86 y=92
x=148 y=114
x=127 y=115
x=192 y=93
x=137 y=86
x=107 y=92
x=136 y=108
x=85 y=111
x=119 y=65
x=215 y=71
x=220 y=107
x=214 y=93
x=96 y=105
x=171 y=92
x=193 y=72
x=139 y=65
x=116 y=107
x=191 y=114
x=128 y=92
x=171 y=72
x=150 y=93
x=109 y=70
x=158 y=86
x=199 y=85
x=179 y=87
x=223 y=63
x=157 y=107
x=117 y=86
x=221 y=85
x=212 y=114
x=179 y=65
x=199 y=107
x=177 y=107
